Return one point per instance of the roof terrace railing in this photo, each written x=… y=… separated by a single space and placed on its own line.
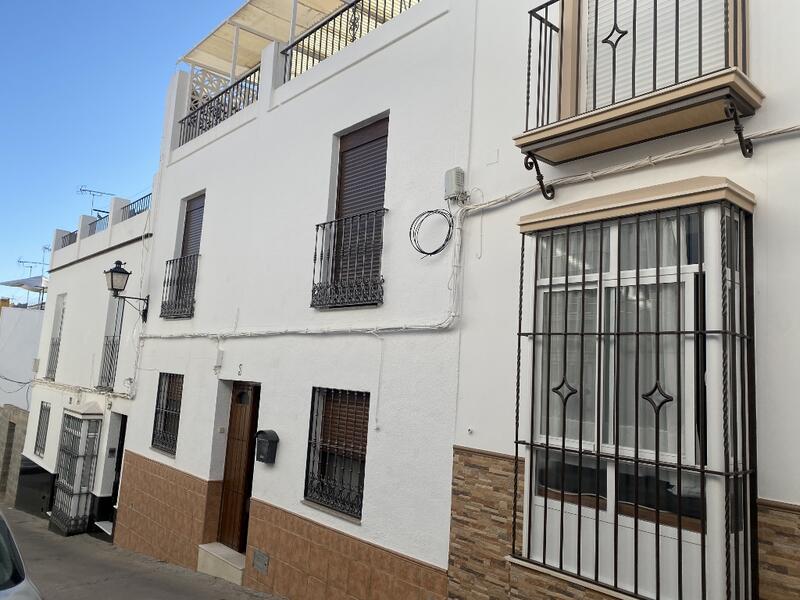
x=68 y=239
x=338 y=30
x=136 y=207
x=97 y=225
x=240 y=94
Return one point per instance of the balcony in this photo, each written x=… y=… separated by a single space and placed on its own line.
x=136 y=207
x=97 y=225
x=68 y=239
x=180 y=276
x=212 y=111
x=338 y=30
x=347 y=261
x=95 y=234
x=108 y=362
x=605 y=74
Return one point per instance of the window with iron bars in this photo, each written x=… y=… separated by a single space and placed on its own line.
x=41 y=429
x=337 y=449
x=636 y=444
x=168 y=412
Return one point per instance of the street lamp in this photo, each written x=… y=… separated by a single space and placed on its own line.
x=116 y=280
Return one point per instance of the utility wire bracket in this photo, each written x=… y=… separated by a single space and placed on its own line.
x=531 y=163
x=746 y=144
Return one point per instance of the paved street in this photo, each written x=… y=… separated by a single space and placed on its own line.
x=83 y=567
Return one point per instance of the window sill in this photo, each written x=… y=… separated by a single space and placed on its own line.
x=690 y=105
x=552 y=572
x=330 y=511
x=163 y=452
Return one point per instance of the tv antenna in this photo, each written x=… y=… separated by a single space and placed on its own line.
x=94 y=194
x=29 y=264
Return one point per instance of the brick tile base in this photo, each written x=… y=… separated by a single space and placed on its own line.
x=527 y=584
x=779 y=551
x=480 y=527
x=480 y=540
x=308 y=561
x=165 y=513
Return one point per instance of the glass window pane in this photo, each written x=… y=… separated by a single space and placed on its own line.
x=567 y=377
x=580 y=475
x=661 y=384
x=663 y=491
x=662 y=247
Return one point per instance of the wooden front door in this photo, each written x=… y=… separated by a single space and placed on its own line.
x=239 y=457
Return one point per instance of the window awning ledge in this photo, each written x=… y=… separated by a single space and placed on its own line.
x=664 y=196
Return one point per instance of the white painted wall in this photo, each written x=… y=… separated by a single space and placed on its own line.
x=20 y=330
x=77 y=271
x=267 y=174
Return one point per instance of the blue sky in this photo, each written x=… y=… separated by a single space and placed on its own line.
x=83 y=102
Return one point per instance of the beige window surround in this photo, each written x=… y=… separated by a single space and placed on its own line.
x=675 y=194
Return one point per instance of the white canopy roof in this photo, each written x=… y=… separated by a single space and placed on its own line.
x=30 y=284
x=242 y=36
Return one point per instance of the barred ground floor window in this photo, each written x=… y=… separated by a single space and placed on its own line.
x=635 y=415
x=337 y=449
x=168 y=412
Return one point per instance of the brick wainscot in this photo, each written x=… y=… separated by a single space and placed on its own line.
x=308 y=561
x=480 y=540
x=165 y=513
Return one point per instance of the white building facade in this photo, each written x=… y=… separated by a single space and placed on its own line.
x=586 y=392
x=82 y=392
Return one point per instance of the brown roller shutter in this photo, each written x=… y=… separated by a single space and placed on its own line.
x=345 y=422
x=358 y=236
x=193 y=226
x=362 y=170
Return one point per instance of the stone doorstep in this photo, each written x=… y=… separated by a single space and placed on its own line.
x=106 y=527
x=218 y=560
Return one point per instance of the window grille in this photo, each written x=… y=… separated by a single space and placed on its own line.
x=41 y=429
x=55 y=337
x=168 y=412
x=635 y=412
x=75 y=469
x=337 y=449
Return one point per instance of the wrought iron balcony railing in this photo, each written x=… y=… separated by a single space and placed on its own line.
x=240 y=94
x=68 y=239
x=338 y=30
x=347 y=261
x=108 y=362
x=52 y=358
x=177 y=300
x=584 y=55
x=136 y=207
x=97 y=226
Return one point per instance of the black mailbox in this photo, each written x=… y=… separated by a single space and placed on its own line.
x=266 y=446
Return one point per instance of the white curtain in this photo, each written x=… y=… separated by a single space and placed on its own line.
x=664 y=347
x=569 y=373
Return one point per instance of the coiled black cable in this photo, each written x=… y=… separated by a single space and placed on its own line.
x=416 y=226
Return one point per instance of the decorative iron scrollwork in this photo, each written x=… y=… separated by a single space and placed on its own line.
x=746 y=144
x=354 y=25
x=531 y=163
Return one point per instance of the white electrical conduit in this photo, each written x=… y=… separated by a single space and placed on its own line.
x=454 y=282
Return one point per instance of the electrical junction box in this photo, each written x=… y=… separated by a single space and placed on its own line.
x=454 y=184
